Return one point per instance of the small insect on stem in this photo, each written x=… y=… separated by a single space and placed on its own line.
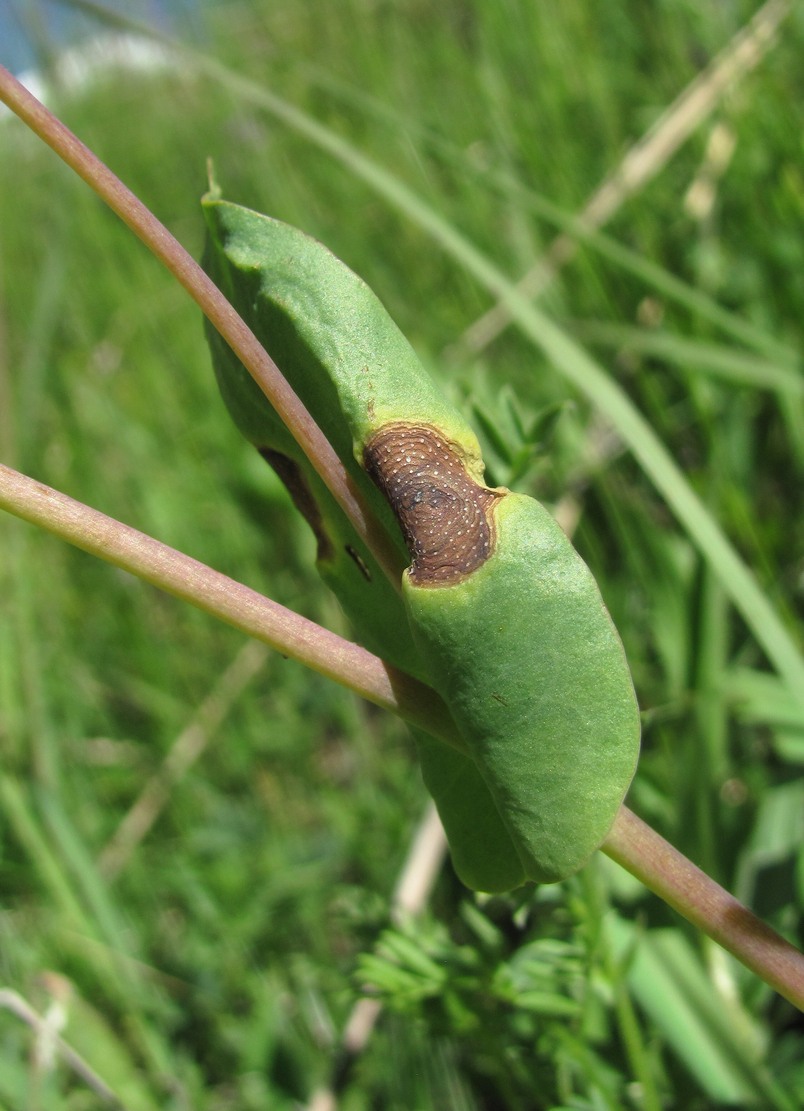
x=359 y=561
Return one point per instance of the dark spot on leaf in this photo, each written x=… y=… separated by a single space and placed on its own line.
x=444 y=514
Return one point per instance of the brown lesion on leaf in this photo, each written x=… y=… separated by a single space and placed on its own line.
x=292 y=477
x=446 y=517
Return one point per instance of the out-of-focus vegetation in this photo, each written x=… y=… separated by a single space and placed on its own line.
x=215 y=964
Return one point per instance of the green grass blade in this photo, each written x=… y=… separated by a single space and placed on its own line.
x=20 y=816
x=715 y=1042
x=508 y=186
x=715 y=359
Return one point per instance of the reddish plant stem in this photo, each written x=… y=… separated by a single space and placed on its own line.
x=216 y=308
x=230 y=601
x=704 y=903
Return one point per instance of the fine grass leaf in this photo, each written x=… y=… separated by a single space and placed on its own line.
x=727 y=363
x=761 y=699
x=770 y=865
x=106 y=1049
x=712 y=1038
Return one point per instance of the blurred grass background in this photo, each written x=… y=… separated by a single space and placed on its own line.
x=215 y=964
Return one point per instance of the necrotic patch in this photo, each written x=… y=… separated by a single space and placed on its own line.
x=444 y=514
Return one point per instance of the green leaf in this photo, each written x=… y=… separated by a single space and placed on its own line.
x=525 y=655
x=302 y=303
x=505 y=617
